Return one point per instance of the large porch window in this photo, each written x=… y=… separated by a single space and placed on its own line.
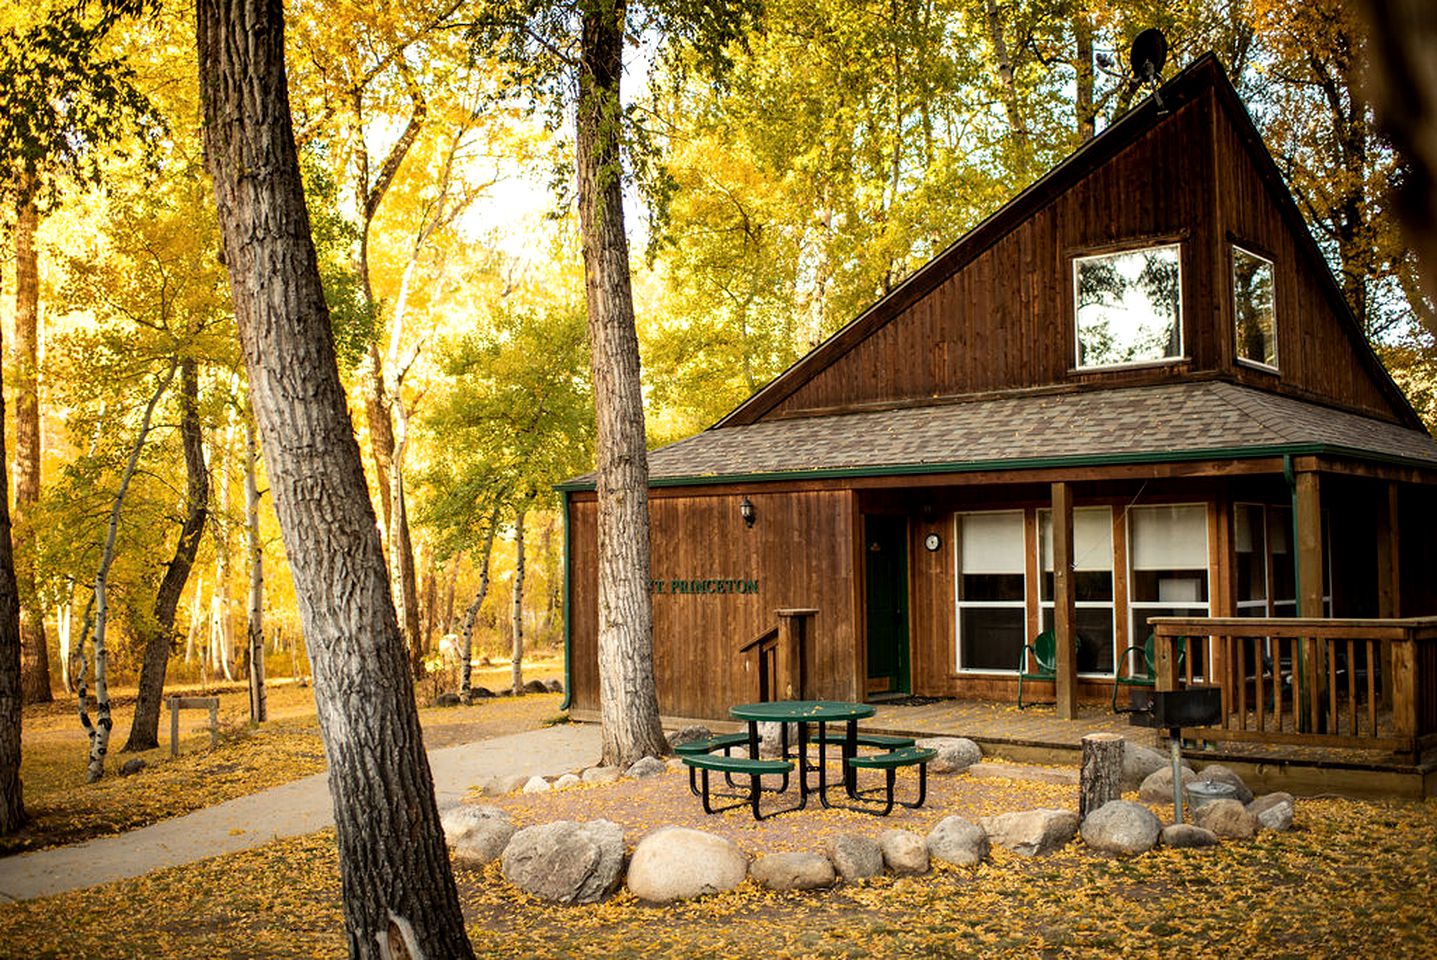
x=1266 y=570
x=991 y=589
x=1168 y=547
x=1092 y=584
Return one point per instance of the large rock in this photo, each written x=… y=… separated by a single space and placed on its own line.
x=792 y=871
x=1139 y=763
x=1218 y=773
x=647 y=767
x=1029 y=833
x=1187 y=835
x=1226 y=818
x=689 y=734
x=131 y=767
x=554 y=686
x=537 y=785
x=1276 y=816
x=484 y=842
x=602 y=774
x=770 y=739
x=1121 y=827
x=459 y=821
x=535 y=686
x=959 y=841
x=1257 y=806
x=955 y=754
x=1158 y=787
x=855 y=857
x=506 y=784
x=904 y=852
x=566 y=781
x=676 y=863
x=566 y=861
x=447 y=699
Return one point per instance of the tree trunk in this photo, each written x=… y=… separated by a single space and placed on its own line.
x=99 y=731
x=628 y=700
x=1004 y=65
x=145 y=730
x=449 y=585
x=1403 y=89
x=220 y=628
x=34 y=655
x=517 y=614
x=1083 y=34
x=254 y=623
x=12 y=799
x=1101 y=777
x=398 y=888
x=466 y=643
x=429 y=600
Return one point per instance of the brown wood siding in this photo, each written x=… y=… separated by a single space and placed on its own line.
x=799 y=551
x=1005 y=320
x=1316 y=353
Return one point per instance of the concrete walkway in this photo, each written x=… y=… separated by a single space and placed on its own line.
x=293 y=809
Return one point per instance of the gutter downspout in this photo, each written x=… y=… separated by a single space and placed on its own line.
x=568 y=576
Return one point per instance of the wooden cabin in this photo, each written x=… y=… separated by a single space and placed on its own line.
x=1139 y=372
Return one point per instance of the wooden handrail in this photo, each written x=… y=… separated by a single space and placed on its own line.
x=770 y=634
x=1310 y=680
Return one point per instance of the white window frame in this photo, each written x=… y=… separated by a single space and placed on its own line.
x=1233 y=250
x=1139 y=638
x=1077 y=333
x=1110 y=604
x=959 y=604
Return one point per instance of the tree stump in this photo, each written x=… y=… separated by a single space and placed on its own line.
x=1101 y=779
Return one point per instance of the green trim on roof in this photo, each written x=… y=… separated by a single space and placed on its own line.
x=1029 y=463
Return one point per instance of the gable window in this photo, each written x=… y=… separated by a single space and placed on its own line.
x=1254 y=308
x=992 y=590
x=1128 y=306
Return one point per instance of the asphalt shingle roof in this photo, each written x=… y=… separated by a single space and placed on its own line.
x=1156 y=421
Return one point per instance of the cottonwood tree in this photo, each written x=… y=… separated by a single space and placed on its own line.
x=69 y=99
x=399 y=892
x=574 y=52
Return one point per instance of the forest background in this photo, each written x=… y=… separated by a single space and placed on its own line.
x=843 y=146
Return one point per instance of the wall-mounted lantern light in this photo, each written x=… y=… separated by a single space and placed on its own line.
x=745 y=510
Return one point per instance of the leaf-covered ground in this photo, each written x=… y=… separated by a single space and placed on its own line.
x=65 y=809
x=1351 y=880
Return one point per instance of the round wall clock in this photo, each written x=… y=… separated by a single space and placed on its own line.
x=933 y=541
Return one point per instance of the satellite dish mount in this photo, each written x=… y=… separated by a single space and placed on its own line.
x=1149 y=53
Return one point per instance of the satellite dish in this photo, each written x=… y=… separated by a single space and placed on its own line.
x=1149 y=53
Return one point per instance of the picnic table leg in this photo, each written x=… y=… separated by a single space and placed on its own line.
x=850 y=750
x=802 y=764
x=823 y=764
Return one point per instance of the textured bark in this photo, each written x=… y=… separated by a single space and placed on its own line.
x=145 y=730
x=628 y=700
x=1004 y=64
x=12 y=800
x=466 y=642
x=1101 y=777
x=1083 y=35
x=394 y=868
x=516 y=617
x=34 y=655
x=1402 y=83
x=254 y=622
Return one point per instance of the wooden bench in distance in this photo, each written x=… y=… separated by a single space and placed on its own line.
x=889 y=764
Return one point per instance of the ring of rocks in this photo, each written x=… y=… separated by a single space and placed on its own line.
x=576 y=862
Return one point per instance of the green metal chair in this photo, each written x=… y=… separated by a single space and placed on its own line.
x=1148 y=678
x=1044 y=649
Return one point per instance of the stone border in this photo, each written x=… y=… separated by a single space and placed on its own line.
x=570 y=861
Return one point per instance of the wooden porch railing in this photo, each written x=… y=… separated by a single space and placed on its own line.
x=1337 y=683
x=779 y=651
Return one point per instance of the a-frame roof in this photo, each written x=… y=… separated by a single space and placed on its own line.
x=1203 y=75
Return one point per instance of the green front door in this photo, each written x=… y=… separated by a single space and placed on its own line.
x=886 y=577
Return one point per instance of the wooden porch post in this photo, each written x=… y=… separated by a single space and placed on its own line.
x=1389 y=576
x=1064 y=611
x=1309 y=600
x=788 y=668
